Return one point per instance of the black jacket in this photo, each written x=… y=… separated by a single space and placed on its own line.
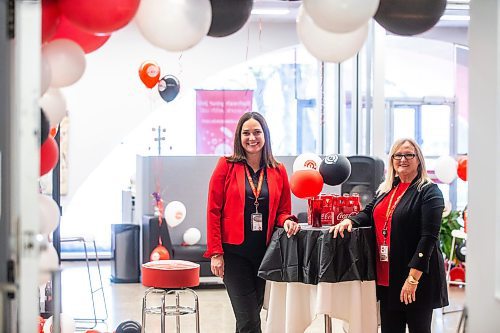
x=416 y=222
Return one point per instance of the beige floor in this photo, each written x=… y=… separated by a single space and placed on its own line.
x=125 y=300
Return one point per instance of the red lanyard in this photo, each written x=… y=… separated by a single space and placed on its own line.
x=390 y=210
x=256 y=191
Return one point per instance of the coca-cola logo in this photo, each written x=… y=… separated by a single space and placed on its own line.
x=343 y=216
x=331 y=159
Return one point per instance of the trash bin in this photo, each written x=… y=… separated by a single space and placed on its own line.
x=125 y=265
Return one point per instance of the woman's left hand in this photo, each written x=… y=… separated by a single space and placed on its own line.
x=407 y=294
x=291 y=227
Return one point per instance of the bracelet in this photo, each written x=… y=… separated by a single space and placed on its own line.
x=412 y=280
x=217 y=255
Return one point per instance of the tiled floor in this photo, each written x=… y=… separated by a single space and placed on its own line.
x=124 y=302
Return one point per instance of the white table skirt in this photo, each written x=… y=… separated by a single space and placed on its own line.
x=292 y=307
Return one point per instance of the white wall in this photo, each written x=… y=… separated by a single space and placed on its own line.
x=483 y=243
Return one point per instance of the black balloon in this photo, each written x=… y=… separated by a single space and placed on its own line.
x=228 y=16
x=44 y=127
x=409 y=17
x=129 y=326
x=169 y=87
x=335 y=169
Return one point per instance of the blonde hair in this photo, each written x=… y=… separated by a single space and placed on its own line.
x=423 y=177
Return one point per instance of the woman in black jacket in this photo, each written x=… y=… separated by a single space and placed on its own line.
x=406 y=216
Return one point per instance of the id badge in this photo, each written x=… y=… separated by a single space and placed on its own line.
x=384 y=253
x=256 y=219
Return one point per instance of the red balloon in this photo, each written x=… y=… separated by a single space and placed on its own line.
x=149 y=73
x=49 y=155
x=50 y=19
x=89 y=42
x=159 y=253
x=99 y=16
x=306 y=183
x=462 y=168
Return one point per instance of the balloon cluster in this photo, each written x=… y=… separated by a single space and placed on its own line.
x=168 y=86
x=334 y=30
x=310 y=172
x=447 y=168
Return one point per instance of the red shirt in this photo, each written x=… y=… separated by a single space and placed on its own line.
x=379 y=216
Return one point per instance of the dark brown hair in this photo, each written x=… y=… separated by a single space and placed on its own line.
x=239 y=153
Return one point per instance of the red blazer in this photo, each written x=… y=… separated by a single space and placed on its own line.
x=226 y=204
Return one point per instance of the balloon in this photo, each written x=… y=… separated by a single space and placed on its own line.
x=49 y=214
x=306 y=183
x=129 y=326
x=174 y=25
x=88 y=41
x=341 y=15
x=46 y=76
x=67 y=62
x=48 y=262
x=445 y=169
x=44 y=127
x=335 y=169
x=409 y=17
x=329 y=46
x=175 y=213
x=228 y=16
x=67 y=324
x=49 y=155
x=306 y=161
x=149 y=73
x=462 y=168
x=159 y=253
x=50 y=19
x=169 y=87
x=53 y=104
x=99 y=16
x=192 y=236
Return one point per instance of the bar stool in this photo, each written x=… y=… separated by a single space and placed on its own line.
x=170 y=277
x=95 y=319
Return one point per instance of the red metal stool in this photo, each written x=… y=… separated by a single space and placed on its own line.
x=170 y=277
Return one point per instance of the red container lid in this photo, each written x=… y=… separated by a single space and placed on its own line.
x=170 y=274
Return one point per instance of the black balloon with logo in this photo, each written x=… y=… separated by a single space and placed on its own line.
x=228 y=16
x=335 y=169
x=409 y=17
x=169 y=87
x=44 y=127
x=129 y=326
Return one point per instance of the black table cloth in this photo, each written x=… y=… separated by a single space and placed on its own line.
x=314 y=256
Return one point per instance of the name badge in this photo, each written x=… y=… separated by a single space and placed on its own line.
x=384 y=253
x=256 y=219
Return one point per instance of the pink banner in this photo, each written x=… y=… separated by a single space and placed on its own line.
x=217 y=114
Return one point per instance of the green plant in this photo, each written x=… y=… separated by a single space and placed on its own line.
x=448 y=224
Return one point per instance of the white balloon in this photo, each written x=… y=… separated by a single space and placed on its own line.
x=49 y=214
x=54 y=105
x=446 y=169
x=192 y=236
x=175 y=213
x=46 y=76
x=341 y=15
x=329 y=46
x=307 y=161
x=67 y=62
x=49 y=262
x=67 y=324
x=172 y=24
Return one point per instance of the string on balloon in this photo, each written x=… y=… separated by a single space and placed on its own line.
x=160 y=209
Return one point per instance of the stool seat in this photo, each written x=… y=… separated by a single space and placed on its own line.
x=170 y=274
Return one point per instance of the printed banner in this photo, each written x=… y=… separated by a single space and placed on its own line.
x=217 y=114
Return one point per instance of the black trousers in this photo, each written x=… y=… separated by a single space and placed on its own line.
x=394 y=321
x=245 y=290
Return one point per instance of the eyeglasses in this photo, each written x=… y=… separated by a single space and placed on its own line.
x=399 y=157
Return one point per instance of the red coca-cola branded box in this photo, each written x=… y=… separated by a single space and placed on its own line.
x=335 y=208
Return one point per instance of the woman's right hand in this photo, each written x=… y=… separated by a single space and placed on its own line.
x=339 y=228
x=217 y=265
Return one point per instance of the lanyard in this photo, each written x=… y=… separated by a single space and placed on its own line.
x=390 y=211
x=256 y=191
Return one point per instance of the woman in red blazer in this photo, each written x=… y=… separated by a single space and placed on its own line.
x=248 y=196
